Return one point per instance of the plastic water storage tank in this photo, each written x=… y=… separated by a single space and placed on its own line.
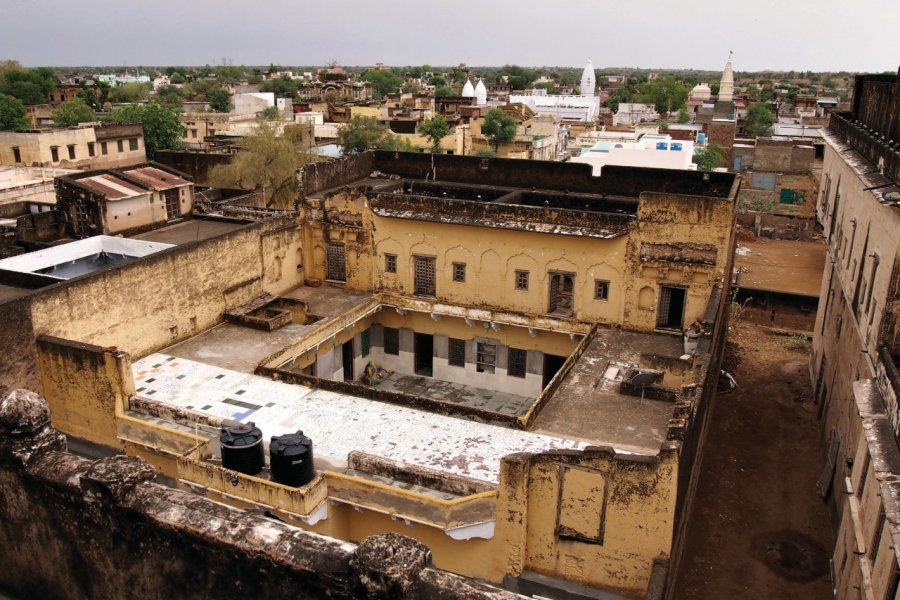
x=291 y=459
x=242 y=449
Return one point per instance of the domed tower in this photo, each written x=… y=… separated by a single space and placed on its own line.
x=588 y=81
x=468 y=89
x=480 y=94
x=726 y=87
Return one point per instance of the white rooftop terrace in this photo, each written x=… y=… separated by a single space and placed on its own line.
x=81 y=256
x=337 y=423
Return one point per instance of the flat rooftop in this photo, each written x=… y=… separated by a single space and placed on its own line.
x=590 y=404
x=81 y=256
x=191 y=230
x=781 y=266
x=338 y=423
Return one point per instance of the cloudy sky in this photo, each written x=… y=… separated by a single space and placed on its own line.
x=764 y=34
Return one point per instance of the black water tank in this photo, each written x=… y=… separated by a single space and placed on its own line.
x=291 y=459
x=242 y=448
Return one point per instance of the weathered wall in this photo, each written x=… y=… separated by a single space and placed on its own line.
x=166 y=297
x=592 y=518
x=85 y=386
x=104 y=529
x=195 y=164
x=323 y=175
x=19 y=366
x=859 y=282
x=625 y=181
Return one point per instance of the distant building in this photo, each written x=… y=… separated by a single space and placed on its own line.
x=81 y=147
x=123 y=201
x=658 y=151
x=582 y=108
x=630 y=113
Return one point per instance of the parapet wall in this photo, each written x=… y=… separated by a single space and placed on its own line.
x=105 y=529
x=547 y=175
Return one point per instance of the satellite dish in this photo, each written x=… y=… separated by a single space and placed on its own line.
x=642 y=379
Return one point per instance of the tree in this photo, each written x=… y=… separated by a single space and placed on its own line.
x=383 y=82
x=72 y=112
x=12 y=113
x=445 y=91
x=269 y=113
x=266 y=160
x=759 y=120
x=666 y=93
x=435 y=130
x=281 y=87
x=219 y=101
x=30 y=86
x=499 y=128
x=684 y=116
x=170 y=95
x=130 y=92
x=364 y=133
x=176 y=77
x=709 y=157
x=162 y=124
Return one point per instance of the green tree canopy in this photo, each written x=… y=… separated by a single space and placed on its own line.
x=177 y=77
x=709 y=157
x=130 y=92
x=383 y=82
x=365 y=133
x=435 y=130
x=170 y=96
x=162 y=124
x=12 y=113
x=219 y=101
x=266 y=160
x=31 y=86
x=684 y=116
x=72 y=112
x=665 y=92
x=759 y=120
x=281 y=87
x=499 y=128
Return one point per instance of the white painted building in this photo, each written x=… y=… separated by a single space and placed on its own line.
x=630 y=113
x=652 y=150
x=584 y=107
x=252 y=103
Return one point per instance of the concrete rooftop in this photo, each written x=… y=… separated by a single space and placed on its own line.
x=783 y=266
x=191 y=230
x=589 y=406
x=338 y=423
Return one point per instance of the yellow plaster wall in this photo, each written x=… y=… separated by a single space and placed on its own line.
x=85 y=387
x=153 y=302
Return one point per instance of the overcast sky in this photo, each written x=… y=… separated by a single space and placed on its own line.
x=819 y=35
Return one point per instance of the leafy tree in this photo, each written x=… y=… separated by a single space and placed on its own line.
x=499 y=128
x=282 y=87
x=410 y=87
x=72 y=112
x=130 y=92
x=437 y=81
x=89 y=97
x=709 y=157
x=12 y=113
x=684 y=116
x=170 y=96
x=666 y=93
x=266 y=160
x=30 y=86
x=435 y=130
x=383 y=82
x=176 y=77
x=759 y=120
x=445 y=91
x=364 y=133
x=162 y=124
x=269 y=113
x=219 y=101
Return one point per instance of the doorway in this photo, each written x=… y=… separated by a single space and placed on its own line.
x=562 y=287
x=347 y=359
x=552 y=365
x=424 y=354
x=171 y=199
x=670 y=313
